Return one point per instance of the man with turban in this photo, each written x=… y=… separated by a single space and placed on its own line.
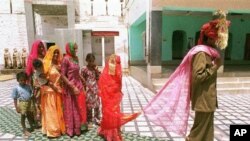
x=214 y=34
x=193 y=80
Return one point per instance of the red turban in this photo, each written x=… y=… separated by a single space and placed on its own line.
x=211 y=29
x=216 y=29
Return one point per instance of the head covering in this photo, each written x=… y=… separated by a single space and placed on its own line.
x=110 y=85
x=33 y=55
x=216 y=29
x=113 y=66
x=49 y=56
x=70 y=49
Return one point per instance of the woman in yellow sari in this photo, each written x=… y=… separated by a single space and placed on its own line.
x=51 y=101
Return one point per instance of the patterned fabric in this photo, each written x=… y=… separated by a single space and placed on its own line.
x=92 y=98
x=71 y=70
x=38 y=80
x=110 y=92
x=170 y=107
x=91 y=77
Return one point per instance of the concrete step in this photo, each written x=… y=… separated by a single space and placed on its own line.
x=220 y=80
x=219 y=86
x=230 y=91
x=224 y=74
x=233 y=85
x=234 y=91
x=225 y=85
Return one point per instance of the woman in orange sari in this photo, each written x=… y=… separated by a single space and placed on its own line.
x=51 y=101
x=110 y=85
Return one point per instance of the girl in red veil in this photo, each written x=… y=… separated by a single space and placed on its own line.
x=110 y=85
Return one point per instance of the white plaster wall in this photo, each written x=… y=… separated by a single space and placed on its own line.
x=13 y=32
x=136 y=8
x=45 y=26
x=4 y=6
x=99 y=9
x=101 y=22
x=121 y=46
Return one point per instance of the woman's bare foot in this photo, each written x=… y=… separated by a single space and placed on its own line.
x=26 y=133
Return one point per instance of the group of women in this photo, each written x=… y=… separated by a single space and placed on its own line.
x=63 y=105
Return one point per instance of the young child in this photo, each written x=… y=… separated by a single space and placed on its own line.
x=39 y=76
x=39 y=79
x=91 y=75
x=22 y=95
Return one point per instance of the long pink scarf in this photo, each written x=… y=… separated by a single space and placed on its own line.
x=170 y=107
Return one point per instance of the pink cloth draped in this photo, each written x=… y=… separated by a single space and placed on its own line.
x=170 y=107
x=33 y=55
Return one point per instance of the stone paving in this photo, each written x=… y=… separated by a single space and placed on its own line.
x=233 y=109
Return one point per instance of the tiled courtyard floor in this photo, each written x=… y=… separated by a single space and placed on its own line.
x=233 y=109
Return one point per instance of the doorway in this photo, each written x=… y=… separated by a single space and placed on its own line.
x=102 y=47
x=247 y=47
x=228 y=50
x=178 y=44
x=197 y=36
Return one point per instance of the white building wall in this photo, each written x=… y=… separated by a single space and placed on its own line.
x=135 y=9
x=13 y=33
x=45 y=26
x=121 y=46
x=102 y=22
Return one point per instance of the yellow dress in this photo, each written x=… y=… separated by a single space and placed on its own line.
x=51 y=103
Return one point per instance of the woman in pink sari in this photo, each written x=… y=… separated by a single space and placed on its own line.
x=194 y=78
x=38 y=51
x=73 y=92
x=110 y=85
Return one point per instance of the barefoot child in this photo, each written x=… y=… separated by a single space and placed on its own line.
x=91 y=76
x=22 y=99
x=39 y=79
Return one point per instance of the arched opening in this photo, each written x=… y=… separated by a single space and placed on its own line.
x=178 y=44
x=197 y=36
x=49 y=44
x=247 y=47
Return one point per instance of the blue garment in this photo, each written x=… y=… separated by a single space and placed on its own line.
x=22 y=92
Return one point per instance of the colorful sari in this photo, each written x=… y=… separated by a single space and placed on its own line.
x=92 y=99
x=110 y=85
x=170 y=107
x=74 y=105
x=51 y=101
